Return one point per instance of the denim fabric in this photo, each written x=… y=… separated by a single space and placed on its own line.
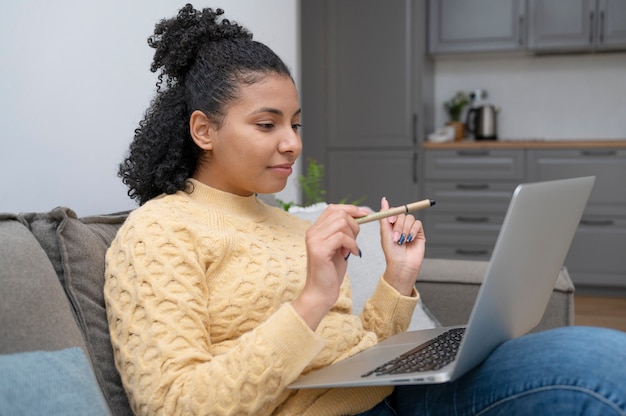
x=564 y=371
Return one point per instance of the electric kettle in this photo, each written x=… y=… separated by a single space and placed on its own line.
x=481 y=122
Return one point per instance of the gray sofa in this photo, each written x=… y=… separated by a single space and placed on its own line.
x=55 y=352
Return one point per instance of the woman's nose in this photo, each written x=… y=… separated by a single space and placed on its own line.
x=291 y=142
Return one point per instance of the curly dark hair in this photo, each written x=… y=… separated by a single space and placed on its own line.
x=203 y=61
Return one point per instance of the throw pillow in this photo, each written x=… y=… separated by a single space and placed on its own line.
x=76 y=247
x=53 y=383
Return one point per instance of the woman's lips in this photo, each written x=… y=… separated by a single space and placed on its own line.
x=285 y=169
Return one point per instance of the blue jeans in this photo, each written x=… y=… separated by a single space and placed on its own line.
x=564 y=371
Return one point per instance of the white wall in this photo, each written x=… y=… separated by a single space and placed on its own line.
x=557 y=97
x=74 y=83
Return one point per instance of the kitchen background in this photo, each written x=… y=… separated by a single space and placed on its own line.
x=74 y=82
x=375 y=80
x=554 y=97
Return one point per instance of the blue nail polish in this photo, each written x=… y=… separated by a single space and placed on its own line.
x=409 y=238
x=401 y=241
x=360 y=253
x=347 y=256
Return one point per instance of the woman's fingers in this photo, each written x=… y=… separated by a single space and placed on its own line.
x=338 y=221
x=403 y=227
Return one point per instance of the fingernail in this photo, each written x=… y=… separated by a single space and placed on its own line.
x=409 y=238
x=401 y=241
x=347 y=257
x=360 y=253
x=396 y=236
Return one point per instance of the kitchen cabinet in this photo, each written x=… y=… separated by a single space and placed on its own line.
x=597 y=255
x=476 y=25
x=474 y=184
x=576 y=24
x=541 y=26
x=472 y=189
x=366 y=85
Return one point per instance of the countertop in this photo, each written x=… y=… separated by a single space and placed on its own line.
x=526 y=144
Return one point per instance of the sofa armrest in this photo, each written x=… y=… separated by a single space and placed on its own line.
x=449 y=289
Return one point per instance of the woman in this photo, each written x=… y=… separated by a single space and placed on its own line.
x=216 y=302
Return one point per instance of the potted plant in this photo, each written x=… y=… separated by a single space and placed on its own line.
x=313 y=192
x=455 y=107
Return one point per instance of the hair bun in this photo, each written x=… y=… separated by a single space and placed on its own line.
x=177 y=40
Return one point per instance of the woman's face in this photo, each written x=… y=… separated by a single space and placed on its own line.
x=257 y=143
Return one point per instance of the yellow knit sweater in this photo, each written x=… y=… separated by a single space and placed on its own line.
x=197 y=290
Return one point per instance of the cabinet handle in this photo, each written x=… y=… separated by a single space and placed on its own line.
x=473 y=153
x=601 y=30
x=467 y=252
x=597 y=223
x=472 y=187
x=598 y=153
x=414 y=132
x=473 y=220
x=415 y=178
x=591 y=27
x=520 y=38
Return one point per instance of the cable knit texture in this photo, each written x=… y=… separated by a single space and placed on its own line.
x=197 y=289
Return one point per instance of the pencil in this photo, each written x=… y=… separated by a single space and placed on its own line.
x=404 y=209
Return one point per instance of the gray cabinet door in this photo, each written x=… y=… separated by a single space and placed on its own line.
x=365 y=98
x=612 y=24
x=596 y=257
x=607 y=165
x=576 y=24
x=561 y=24
x=476 y=25
x=372 y=174
x=370 y=74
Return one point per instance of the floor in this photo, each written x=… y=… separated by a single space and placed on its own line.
x=604 y=311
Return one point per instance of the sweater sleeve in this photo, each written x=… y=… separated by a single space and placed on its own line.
x=158 y=317
x=387 y=312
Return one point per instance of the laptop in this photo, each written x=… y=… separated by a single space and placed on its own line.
x=533 y=242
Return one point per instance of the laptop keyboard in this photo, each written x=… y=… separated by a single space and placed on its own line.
x=429 y=356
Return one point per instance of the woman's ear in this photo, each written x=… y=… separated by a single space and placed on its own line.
x=201 y=128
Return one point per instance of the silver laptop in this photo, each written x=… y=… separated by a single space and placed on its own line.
x=530 y=250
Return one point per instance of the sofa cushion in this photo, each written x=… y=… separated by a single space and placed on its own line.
x=34 y=312
x=53 y=383
x=76 y=248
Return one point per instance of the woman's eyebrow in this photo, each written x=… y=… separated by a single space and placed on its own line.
x=275 y=111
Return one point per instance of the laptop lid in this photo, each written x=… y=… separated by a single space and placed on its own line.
x=530 y=250
x=533 y=242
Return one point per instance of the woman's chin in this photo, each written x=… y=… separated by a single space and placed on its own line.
x=271 y=188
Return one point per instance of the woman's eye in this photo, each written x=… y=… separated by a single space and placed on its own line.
x=296 y=126
x=265 y=126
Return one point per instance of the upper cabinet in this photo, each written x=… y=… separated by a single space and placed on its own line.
x=576 y=24
x=612 y=24
x=526 y=25
x=367 y=95
x=476 y=25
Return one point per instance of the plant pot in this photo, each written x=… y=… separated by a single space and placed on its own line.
x=459 y=130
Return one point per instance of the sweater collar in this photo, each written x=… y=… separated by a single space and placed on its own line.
x=247 y=206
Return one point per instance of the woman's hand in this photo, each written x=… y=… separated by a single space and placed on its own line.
x=329 y=241
x=403 y=242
